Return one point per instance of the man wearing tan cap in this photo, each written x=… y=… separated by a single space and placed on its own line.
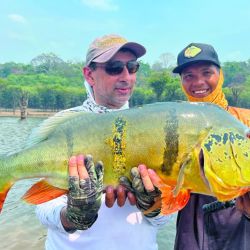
x=81 y=220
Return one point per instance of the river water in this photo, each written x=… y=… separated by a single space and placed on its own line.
x=19 y=227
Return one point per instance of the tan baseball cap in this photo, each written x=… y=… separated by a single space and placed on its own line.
x=104 y=48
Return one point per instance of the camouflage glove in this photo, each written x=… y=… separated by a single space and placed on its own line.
x=84 y=197
x=145 y=199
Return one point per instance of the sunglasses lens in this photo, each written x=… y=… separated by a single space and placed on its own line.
x=132 y=66
x=114 y=68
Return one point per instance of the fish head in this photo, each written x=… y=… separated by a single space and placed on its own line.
x=225 y=162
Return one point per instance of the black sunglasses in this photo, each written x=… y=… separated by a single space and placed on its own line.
x=116 y=67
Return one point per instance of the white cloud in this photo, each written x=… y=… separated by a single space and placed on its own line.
x=105 y=5
x=17 y=18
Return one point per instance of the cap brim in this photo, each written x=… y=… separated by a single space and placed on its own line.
x=178 y=69
x=136 y=48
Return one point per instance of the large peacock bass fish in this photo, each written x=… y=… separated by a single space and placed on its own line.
x=193 y=147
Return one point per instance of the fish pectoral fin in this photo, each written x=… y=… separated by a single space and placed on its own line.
x=172 y=203
x=169 y=201
x=3 y=194
x=180 y=179
x=41 y=192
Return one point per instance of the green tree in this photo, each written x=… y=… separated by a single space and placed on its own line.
x=173 y=90
x=235 y=73
x=46 y=63
x=158 y=82
x=142 y=96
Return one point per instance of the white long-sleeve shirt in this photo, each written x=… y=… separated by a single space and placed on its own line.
x=115 y=229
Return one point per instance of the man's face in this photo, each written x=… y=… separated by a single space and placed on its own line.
x=112 y=91
x=200 y=79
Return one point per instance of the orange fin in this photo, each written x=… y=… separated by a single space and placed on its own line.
x=3 y=195
x=169 y=202
x=41 y=192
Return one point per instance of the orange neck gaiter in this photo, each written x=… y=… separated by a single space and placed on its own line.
x=217 y=96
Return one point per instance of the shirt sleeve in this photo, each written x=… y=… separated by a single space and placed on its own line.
x=49 y=213
x=159 y=220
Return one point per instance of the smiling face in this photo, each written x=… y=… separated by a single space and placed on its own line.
x=112 y=91
x=200 y=79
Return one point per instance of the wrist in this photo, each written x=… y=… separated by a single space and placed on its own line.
x=68 y=226
x=74 y=218
x=152 y=214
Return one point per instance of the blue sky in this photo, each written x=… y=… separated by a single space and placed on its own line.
x=66 y=27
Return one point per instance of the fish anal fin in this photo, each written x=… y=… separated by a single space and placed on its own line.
x=3 y=194
x=41 y=192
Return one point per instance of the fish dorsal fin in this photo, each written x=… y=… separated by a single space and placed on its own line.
x=49 y=125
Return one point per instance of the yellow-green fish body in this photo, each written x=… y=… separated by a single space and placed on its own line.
x=192 y=146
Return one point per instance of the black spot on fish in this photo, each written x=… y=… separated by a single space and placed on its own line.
x=231 y=137
x=209 y=145
x=240 y=137
x=216 y=137
x=118 y=145
x=69 y=141
x=245 y=154
x=171 y=142
x=225 y=138
x=117 y=139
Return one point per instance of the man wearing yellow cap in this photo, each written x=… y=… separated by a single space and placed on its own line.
x=205 y=223
x=81 y=220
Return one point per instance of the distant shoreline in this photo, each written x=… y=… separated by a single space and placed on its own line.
x=30 y=113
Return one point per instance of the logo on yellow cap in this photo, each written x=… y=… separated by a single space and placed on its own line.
x=192 y=51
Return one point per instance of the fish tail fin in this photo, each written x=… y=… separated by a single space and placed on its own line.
x=41 y=192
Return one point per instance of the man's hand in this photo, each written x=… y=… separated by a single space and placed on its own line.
x=85 y=191
x=142 y=187
x=243 y=204
x=119 y=194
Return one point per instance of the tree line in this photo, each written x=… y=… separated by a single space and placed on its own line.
x=49 y=83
